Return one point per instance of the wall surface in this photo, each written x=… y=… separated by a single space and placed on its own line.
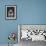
x=28 y=12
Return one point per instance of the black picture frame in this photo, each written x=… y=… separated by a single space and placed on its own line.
x=10 y=12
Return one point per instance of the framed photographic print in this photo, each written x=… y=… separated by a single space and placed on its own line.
x=10 y=11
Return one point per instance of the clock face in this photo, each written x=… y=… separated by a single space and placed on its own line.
x=12 y=36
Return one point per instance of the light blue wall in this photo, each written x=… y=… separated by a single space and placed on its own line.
x=28 y=12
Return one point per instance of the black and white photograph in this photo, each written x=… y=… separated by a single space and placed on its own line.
x=10 y=12
x=29 y=34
